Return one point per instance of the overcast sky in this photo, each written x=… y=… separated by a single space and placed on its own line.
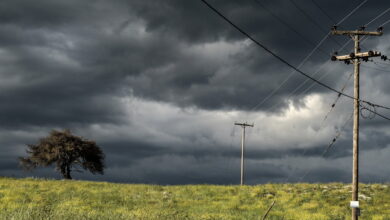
x=159 y=84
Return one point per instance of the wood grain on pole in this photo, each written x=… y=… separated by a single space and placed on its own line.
x=355 y=169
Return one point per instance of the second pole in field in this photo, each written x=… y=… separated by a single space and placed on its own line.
x=243 y=126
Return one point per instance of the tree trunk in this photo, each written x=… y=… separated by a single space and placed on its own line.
x=65 y=171
x=67 y=176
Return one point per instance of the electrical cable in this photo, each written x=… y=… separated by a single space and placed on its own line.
x=337 y=98
x=324 y=75
x=378 y=114
x=381 y=64
x=353 y=11
x=323 y=11
x=384 y=23
x=370 y=115
x=309 y=17
x=330 y=145
x=339 y=49
x=297 y=88
x=275 y=90
x=288 y=26
x=375 y=68
x=290 y=75
x=283 y=60
x=380 y=15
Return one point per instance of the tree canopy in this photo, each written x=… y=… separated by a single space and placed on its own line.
x=67 y=151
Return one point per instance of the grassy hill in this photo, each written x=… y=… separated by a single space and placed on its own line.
x=56 y=199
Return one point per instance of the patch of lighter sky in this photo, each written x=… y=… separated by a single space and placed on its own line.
x=217 y=51
x=136 y=30
x=294 y=127
x=164 y=124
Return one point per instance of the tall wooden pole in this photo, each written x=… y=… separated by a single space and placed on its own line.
x=355 y=160
x=356 y=57
x=243 y=125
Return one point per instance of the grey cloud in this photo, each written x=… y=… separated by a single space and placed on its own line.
x=71 y=64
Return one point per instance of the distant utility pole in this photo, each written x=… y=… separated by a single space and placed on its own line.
x=243 y=125
x=356 y=57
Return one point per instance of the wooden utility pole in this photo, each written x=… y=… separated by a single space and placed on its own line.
x=243 y=125
x=356 y=57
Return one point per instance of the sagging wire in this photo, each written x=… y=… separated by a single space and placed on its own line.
x=337 y=98
x=338 y=134
x=367 y=111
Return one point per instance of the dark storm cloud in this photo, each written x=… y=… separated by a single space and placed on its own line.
x=107 y=58
x=233 y=91
x=71 y=63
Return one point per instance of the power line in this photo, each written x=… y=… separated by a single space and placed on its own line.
x=338 y=133
x=325 y=63
x=338 y=97
x=323 y=11
x=287 y=25
x=376 y=113
x=375 y=68
x=324 y=75
x=382 y=64
x=304 y=82
x=364 y=38
x=297 y=88
x=353 y=11
x=283 y=60
x=380 y=15
x=291 y=74
x=330 y=145
x=308 y=88
x=385 y=23
x=312 y=20
x=301 y=64
x=313 y=84
x=308 y=16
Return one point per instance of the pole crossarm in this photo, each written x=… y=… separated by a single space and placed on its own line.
x=352 y=56
x=357 y=32
x=244 y=124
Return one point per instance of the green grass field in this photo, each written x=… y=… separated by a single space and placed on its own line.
x=55 y=199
